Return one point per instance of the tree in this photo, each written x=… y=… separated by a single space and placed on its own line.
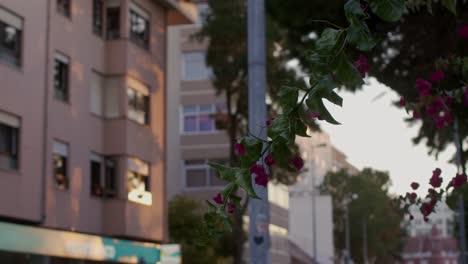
x=373 y=205
x=185 y=220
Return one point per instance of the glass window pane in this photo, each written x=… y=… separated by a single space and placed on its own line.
x=96 y=185
x=196 y=177
x=206 y=123
x=195 y=162
x=60 y=171
x=113 y=23
x=206 y=108
x=190 y=109
x=190 y=123
x=214 y=179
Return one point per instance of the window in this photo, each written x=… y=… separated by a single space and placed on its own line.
x=198 y=174
x=98 y=10
x=63 y=7
x=139 y=26
x=138 y=105
x=202 y=118
x=203 y=10
x=9 y=141
x=113 y=20
x=11 y=27
x=194 y=67
x=61 y=77
x=139 y=189
x=104 y=95
x=60 y=165
x=103 y=173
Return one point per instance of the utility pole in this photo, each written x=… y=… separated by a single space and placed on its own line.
x=461 y=200
x=259 y=211
x=364 y=239
x=314 y=217
x=347 y=236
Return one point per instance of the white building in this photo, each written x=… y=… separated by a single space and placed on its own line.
x=320 y=157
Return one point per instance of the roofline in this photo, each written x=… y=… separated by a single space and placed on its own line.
x=172 y=4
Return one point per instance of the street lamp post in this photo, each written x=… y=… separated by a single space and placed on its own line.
x=346 y=202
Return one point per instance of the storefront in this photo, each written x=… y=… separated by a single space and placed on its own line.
x=34 y=245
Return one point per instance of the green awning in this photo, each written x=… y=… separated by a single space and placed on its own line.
x=41 y=241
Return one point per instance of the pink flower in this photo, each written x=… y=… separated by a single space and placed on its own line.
x=436 y=180
x=362 y=65
x=449 y=100
x=268 y=122
x=416 y=115
x=426 y=209
x=315 y=115
x=459 y=180
x=261 y=176
x=297 y=162
x=239 y=149
x=435 y=107
x=230 y=208
x=218 y=199
x=437 y=76
x=414 y=185
x=269 y=160
x=463 y=31
x=402 y=102
x=423 y=87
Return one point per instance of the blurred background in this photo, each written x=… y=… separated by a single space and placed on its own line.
x=111 y=110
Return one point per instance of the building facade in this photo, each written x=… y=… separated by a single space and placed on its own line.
x=430 y=248
x=443 y=218
x=194 y=138
x=83 y=114
x=311 y=213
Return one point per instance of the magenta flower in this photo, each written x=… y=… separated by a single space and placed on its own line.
x=414 y=185
x=231 y=208
x=423 y=87
x=437 y=76
x=218 y=199
x=315 y=115
x=416 y=115
x=297 y=162
x=449 y=100
x=239 y=149
x=268 y=122
x=402 y=102
x=269 y=160
x=435 y=107
x=436 y=180
x=261 y=176
x=426 y=209
x=459 y=180
x=443 y=120
x=412 y=197
x=463 y=31
x=362 y=65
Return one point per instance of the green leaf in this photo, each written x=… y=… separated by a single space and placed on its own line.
x=244 y=180
x=281 y=153
x=236 y=200
x=353 y=9
x=253 y=150
x=325 y=89
x=298 y=127
x=360 y=36
x=315 y=103
x=345 y=72
x=224 y=172
x=329 y=40
x=451 y=5
x=288 y=97
x=280 y=128
x=228 y=191
x=388 y=10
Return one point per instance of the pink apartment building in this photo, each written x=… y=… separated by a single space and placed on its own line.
x=82 y=129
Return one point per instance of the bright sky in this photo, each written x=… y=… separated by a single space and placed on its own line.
x=374 y=134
